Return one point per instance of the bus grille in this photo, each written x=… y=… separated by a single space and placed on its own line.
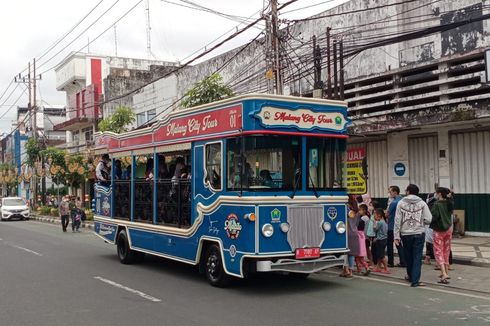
x=305 y=226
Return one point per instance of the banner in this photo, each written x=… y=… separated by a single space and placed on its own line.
x=356 y=180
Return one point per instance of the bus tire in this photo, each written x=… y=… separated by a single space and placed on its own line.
x=125 y=254
x=213 y=267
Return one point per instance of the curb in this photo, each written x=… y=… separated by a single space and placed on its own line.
x=54 y=220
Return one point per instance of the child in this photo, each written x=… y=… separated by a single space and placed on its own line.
x=370 y=236
x=381 y=229
x=360 y=262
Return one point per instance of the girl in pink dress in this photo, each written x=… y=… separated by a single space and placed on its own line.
x=360 y=260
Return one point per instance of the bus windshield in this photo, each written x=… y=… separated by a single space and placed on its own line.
x=264 y=163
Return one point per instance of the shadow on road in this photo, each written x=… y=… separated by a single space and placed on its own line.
x=266 y=284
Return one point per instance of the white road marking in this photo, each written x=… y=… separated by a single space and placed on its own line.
x=120 y=286
x=423 y=288
x=26 y=250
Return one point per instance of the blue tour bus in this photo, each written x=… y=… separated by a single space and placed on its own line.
x=254 y=183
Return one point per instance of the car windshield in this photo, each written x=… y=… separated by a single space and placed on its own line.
x=264 y=163
x=13 y=202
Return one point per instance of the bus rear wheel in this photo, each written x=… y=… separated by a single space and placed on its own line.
x=213 y=267
x=126 y=255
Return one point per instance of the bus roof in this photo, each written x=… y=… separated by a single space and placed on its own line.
x=241 y=115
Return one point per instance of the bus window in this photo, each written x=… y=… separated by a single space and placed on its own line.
x=326 y=163
x=122 y=188
x=174 y=190
x=213 y=165
x=264 y=163
x=143 y=189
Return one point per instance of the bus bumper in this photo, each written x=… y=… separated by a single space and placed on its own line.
x=301 y=266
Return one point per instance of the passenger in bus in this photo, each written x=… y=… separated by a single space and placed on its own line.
x=179 y=165
x=149 y=169
x=162 y=168
x=266 y=178
x=118 y=170
x=248 y=175
x=127 y=173
x=102 y=170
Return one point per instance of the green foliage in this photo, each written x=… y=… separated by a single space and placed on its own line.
x=206 y=91
x=45 y=210
x=54 y=212
x=33 y=151
x=119 y=121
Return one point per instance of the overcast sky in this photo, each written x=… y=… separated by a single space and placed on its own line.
x=30 y=27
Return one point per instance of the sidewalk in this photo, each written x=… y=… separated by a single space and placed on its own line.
x=57 y=220
x=463 y=277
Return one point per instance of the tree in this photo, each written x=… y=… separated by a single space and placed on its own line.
x=207 y=90
x=119 y=121
x=33 y=151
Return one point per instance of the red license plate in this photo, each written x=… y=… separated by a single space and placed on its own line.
x=305 y=253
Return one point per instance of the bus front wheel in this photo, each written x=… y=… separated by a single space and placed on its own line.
x=125 y=254
x=213 y=268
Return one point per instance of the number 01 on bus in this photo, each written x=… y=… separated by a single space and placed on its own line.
x=254 y=183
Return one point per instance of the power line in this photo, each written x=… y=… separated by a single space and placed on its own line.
x=103 y=32
x=307 y=7
x=69 y=31
x=80 y=34
x=354 y=11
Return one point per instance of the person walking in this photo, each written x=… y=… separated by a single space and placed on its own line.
x=64 y=212
x=394 y=194
x=442 y=226
x=412 y=214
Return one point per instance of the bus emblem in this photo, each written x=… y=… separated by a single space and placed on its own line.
x=276 y=215
x=332 y=213
x=232 y=226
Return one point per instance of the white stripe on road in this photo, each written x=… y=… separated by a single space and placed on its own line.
x=424 y=287
x=120 y=286
x=26 y=250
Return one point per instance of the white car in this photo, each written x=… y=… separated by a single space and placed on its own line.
x=14 y=207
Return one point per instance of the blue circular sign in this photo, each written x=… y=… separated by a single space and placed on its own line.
x=400 y=169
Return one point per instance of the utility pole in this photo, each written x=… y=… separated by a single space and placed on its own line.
x=341 y=70
x=275 y=49
x=329 y=69
x=317 y=63
x=34 y=108
x=335 y=71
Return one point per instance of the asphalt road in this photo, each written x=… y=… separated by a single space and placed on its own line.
x=52 y=278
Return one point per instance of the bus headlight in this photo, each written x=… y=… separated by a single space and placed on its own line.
x=267 y=230
x=285 y=227
x=326 y=226
x=340 y=227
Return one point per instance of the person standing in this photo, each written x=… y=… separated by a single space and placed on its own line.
x=353 y=237
x=381 y=229
x=442 y=226
x=412 y=214
x=394 y=194
x=102 y=171
x=64 y=211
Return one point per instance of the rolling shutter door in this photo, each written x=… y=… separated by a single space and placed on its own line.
x=423 y=162
x=470 y=162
